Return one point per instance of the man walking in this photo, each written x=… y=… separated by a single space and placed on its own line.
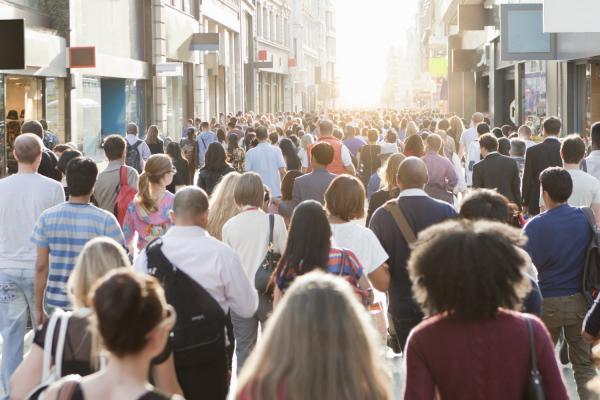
x=205 y=138
x=61 y=232
x=23 y=197
x=466 y=139
x=267 y=161
x=342 y=160
x=49 y=161
x=537 y=159
x=557 y=243
x=109 y=181
x=218 y=272
x=137 y=149
x=396 y=225
x=496 y=171
x=592 y=162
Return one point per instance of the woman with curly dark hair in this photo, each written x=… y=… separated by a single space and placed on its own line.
x=469 y=277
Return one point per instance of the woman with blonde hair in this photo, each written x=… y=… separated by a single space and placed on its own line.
x=98 y=257
x=387 y=173
x=411 y=129
x=155 y=143
x=304 y=355
x=222 y=204
x=456 y=128
x=148 y=213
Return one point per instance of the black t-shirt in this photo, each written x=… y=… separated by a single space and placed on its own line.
x=157 y=148
x=48 y=165
x=369 y=159
x=78 y=345
x=150 y=395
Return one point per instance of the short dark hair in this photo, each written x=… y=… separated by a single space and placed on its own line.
x=81 y=176
x=114 y=147
x=595 y=133
x=34 y=127
x=497 y=132
x=391 y=137
x=44 y=124
x=506 y=130
x=518 y=147
x=504 y=146
x=488 y=142
x=65 y=159
x=552 y=125
x=485 y=204
x=482 y=128
x=345 y=198
x=322 y=152
x=204 y=124
x=482 y=269
x=572 y=149
x=261 y=133
x=373 y=135
x=557 y=182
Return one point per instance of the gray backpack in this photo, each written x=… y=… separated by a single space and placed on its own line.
x=133 y=157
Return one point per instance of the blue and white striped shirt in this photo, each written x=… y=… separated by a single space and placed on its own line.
x=64 y=230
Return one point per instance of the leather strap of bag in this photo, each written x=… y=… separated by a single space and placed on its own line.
x=401 y=221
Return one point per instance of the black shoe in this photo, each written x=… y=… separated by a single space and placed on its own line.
x=564 y=353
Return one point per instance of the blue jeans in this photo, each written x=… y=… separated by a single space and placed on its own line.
x=16 y=306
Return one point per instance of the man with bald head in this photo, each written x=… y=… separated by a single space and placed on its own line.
x=217 y=271
x=396 y=225
x=23 y=197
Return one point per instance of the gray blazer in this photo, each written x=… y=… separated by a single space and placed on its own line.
x=308 y=187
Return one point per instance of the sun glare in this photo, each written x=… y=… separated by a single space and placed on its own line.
x=365 y=32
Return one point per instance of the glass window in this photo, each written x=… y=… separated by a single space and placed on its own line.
x=55 y=106
x=91 y=121
x=534 y=91
x=176 y=106
x=134 y=103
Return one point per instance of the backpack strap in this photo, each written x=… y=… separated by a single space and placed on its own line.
x=271 y=228
x=591 y=218
x=137 y=143
x=60 y=345
x=48 y=339
x=401 y=221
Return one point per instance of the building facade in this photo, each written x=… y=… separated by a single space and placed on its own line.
x=163 y=62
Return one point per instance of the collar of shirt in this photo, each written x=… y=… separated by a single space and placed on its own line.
x=492 y=153
x=413 y=193
x=552 y=137
x=114 y=164
x=186 y=231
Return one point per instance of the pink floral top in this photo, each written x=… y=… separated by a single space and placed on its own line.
x=147 y=226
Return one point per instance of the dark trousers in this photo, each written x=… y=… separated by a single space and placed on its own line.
x=404 y=321
x=204 y=381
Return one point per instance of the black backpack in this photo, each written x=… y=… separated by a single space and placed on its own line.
x=199 y=333
x=133 y=156
x=591 y=272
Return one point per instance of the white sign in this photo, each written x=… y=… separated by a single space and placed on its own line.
x=571 y=15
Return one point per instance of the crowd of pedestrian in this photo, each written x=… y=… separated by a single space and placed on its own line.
x=244 y=245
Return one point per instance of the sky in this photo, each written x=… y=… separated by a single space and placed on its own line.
x=366 y=29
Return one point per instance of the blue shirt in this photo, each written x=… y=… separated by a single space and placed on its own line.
x=373 y=185
x=204 y=140
x=64 y=230
x=266 y=160
x=558 y=240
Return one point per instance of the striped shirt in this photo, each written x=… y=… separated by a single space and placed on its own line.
x=64 y=230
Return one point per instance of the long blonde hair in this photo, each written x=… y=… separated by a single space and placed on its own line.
x=411 y=129
x=222 y=204
x=319 y=344
x=152 y=134
x=157 y=166
x=389 y=170
x=97 y=257
x=456 y=125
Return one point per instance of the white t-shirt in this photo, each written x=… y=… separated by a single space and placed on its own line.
x=586 y=189
x=23 y=198
x=472 y=152
x=363 y=243
x=266 y=160
x=248 y=234
x=346 y=157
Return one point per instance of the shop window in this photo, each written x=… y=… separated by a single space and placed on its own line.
x=55 y=106
x=134 y=103
x=91 y=117
x=176 y=106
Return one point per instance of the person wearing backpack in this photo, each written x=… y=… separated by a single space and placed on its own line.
x=201 y=277
x=110 y=187
x=558 y=242
x=137 y=149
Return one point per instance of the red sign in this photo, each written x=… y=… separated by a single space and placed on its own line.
x=82 y=57
x=262 y=55
x=292 y=62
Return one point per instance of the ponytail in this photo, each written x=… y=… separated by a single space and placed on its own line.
x=143 y=195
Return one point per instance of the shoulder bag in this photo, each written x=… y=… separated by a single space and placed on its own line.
x=535 y=390
x=262 y=279
x=52 y=374
x=401 y=221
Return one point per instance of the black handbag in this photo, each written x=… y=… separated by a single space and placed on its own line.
x=262 y=279
x=536 y=388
